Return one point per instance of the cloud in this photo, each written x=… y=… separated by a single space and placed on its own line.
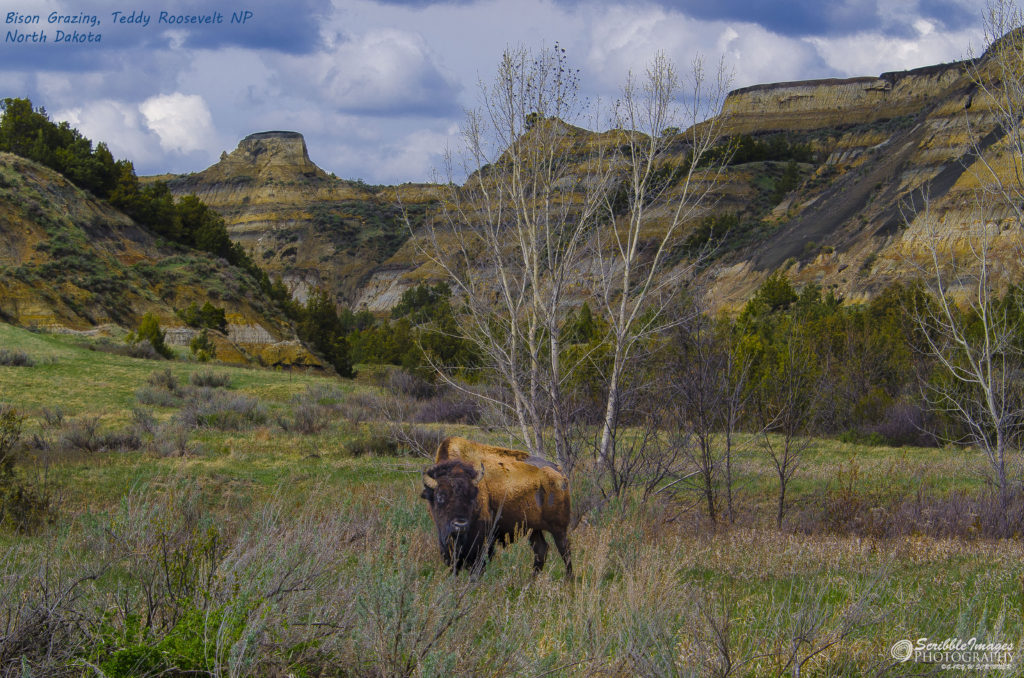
x=417 y=155
x=292 y=27
x=626 y=39
x=793 y=18
x=375 y=85
x=384 y=72
x=872 y=53
x=117 y=123
x=181 y=121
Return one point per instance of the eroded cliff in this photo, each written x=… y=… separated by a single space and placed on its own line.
x=299 y=223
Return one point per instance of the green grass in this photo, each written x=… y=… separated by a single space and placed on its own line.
x=351 y=541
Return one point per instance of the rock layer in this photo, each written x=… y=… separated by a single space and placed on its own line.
x=311 y=229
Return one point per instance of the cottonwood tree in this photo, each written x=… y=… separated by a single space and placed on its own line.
x=551 y=213
x=511 y=240
x=788 y=381
x=973 y=329
x=974 y=334
x=655 y=198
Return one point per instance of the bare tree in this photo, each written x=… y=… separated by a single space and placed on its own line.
x=973 y=329
x=974 y=335
x=511 y=239
x=784 y=395
x=654 y=196
x=707 y=393
x=539 y=222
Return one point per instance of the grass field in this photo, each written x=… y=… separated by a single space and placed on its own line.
x=265 y=549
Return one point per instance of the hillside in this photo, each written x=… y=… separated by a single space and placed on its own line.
x=868 y=147
x=311 y=229
x=884 y=143
x=69 y=262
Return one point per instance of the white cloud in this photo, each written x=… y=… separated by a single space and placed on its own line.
x=416 y=156
x=873 y=53
x=117 y=123
x=387 y=80
x=623 y=39
x=382 y=71
x=181 y=121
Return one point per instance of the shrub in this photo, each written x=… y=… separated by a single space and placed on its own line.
x=141 y=349
x=149 y=330
x=416 y=441
x=166 y=380
x=904 y=424
x=372 y=443
x=143 y=422
x=16 y=359
x=443 y=409
x=360 y=407
x=307 y=418
x=158 y=397
x=408 y=384
x=83 y=435
x=328 y=396
x=210 y=379
x=212 y=408
x=208 y=316
x=172 y=440
x=22 y=506
x=202 y=347
x=53 y=418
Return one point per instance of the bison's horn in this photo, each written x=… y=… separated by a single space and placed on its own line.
x=429 y=482
x=479 y=475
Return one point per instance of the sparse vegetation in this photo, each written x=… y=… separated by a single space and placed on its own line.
x=16 y=359
x=319 y=542
x=210 y=379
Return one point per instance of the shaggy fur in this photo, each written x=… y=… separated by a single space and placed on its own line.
x=517 y=494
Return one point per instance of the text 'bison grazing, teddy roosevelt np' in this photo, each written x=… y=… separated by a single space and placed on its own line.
x=480 y=495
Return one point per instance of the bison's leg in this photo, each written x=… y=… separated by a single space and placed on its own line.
x=540 y=549
x=562 y=544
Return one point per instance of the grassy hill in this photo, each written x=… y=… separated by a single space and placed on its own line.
x=72 y=262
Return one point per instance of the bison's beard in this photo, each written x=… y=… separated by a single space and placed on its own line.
x=462 y=549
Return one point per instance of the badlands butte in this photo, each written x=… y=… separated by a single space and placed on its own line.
x=819 y=188
x=870 y=146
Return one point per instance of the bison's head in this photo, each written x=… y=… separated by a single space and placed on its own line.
x=450 y=489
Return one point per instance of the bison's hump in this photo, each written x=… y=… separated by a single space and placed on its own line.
x=461 y=448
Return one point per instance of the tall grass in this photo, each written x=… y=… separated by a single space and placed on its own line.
x=166 y=584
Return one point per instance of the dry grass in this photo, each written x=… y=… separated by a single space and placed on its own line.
x=266 y=551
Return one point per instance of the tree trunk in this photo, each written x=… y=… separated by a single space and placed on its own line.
x=731 y=517
x=782 y=499
x=611 y=412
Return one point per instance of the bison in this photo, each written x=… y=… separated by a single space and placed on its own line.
x=479 y=495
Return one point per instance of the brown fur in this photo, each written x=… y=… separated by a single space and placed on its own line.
x=515 y=495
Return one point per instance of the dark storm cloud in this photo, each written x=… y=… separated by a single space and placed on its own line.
x=292 y=28
x=791 y=17
x=950 y=14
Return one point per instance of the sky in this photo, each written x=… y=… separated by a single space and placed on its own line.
x=379 y=88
